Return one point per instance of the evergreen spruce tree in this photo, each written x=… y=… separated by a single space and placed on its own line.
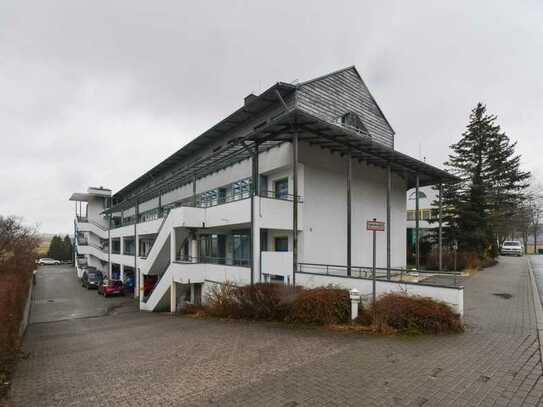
x=67 y=248
x=465 y=204
x=56 y=250
x=509 y=185
x=491 y=188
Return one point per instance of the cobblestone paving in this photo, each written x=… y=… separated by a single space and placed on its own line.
x=134 y=359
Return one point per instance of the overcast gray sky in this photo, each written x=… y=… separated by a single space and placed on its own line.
x=97 y=92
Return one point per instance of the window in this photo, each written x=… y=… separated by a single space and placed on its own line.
x=352 y=121
x=115 y=246
x=281 y=244
x=424 y=214
x=241 y=248
x=212 y=248
x=413 y=195
x=281 y=188
x=241 y=189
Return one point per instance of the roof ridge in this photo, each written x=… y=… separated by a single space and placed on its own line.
x=329 y=74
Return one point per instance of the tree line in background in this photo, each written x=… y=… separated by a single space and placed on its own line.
x=60 y=249
x=494 y=199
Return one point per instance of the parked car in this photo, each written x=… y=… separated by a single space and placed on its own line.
x=45 y=261
x=128 y=286
x=149 y=283
x=110 y=287
x=91 y=279
x=512 y=247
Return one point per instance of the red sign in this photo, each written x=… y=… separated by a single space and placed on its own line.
x=375 y=225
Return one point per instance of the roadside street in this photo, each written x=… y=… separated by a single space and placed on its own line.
x=135 y=358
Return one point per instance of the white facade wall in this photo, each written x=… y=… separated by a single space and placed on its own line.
x=325 y=211
x=95 y=206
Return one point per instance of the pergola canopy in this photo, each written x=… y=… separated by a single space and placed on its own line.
x=280 y=129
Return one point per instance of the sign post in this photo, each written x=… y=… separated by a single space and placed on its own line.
x=374 y=226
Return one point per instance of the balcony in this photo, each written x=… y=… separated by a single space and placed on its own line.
x=81 y=241
x=225 y=261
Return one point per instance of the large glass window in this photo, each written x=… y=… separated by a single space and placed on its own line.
x=281 y=188
x=212 y=248
x=281 y=244
x=241 y=189
x=241 y=249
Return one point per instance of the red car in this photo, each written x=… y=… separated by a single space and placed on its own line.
x=149 y=283
x=111 y=287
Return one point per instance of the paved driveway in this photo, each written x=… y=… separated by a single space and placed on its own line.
x=58 y=295
x=126 y=358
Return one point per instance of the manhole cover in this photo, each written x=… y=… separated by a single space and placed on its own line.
x=503 y=295
x=50 y=300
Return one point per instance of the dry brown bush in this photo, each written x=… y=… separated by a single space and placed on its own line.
x=413 y=314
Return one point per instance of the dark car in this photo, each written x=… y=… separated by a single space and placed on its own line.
x=111 y=287
x=91 y=279
x=149 y=283
x=128 y=286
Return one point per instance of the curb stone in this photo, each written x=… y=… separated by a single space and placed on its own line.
x=538 y=309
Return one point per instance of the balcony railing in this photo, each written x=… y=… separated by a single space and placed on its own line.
x=281 y=196
x=426 y=277
x=206 y=199
x=226 y=261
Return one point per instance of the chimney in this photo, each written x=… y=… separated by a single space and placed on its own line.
x=249 y=98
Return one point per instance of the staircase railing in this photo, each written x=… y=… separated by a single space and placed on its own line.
x=157 y=234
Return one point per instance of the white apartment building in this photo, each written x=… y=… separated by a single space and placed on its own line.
x=278 y=191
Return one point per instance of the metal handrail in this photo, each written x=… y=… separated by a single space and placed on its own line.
x=282 y=197
x=225 y=261
x=158 y=233
x=397 y=274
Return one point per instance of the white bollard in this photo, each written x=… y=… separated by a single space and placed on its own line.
x=354 y=294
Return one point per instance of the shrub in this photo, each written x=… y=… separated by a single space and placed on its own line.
x=221 y=301
x=17 y=244
x=464 y=260
x=263 y=301
x=321 y=306
x=411 y=314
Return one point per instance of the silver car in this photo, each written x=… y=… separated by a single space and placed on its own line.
x=511 y=247
x=47 y=261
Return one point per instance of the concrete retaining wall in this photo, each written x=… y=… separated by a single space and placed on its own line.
x=453 y=296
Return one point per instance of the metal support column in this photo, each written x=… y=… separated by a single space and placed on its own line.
x=440 y=228
x=109 y=246
x=417 y=224
x=388 y=226
x=136 y=249
x=194 y=190
x=254 y=189
x=159 y=204
x=349 y=232
x=294 y=207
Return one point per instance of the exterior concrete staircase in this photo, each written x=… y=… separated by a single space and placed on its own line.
x=159 y=298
